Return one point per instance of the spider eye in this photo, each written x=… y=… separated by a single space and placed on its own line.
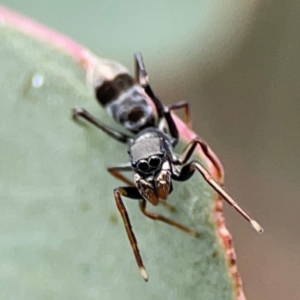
x=154 y=161
x=143 y=165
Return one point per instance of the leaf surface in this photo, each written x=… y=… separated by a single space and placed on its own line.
x=61 y=234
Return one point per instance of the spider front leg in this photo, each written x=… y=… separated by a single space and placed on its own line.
x=130 y=192
x=188 y=170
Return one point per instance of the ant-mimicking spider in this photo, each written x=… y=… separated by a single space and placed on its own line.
x=150 y=150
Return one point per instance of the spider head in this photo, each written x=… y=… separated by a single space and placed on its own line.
x=150 y=160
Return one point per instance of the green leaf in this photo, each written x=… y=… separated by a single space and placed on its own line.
x=61 y=234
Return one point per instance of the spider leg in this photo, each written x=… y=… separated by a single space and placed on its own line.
x=188 y=170
x=162 y=111
x=130 y=192
x=186 y=106
x=116 y=172
x=155 y=216
x=189 y=150
x=84 y=114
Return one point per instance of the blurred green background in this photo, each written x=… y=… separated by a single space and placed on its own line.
x=238 y=64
